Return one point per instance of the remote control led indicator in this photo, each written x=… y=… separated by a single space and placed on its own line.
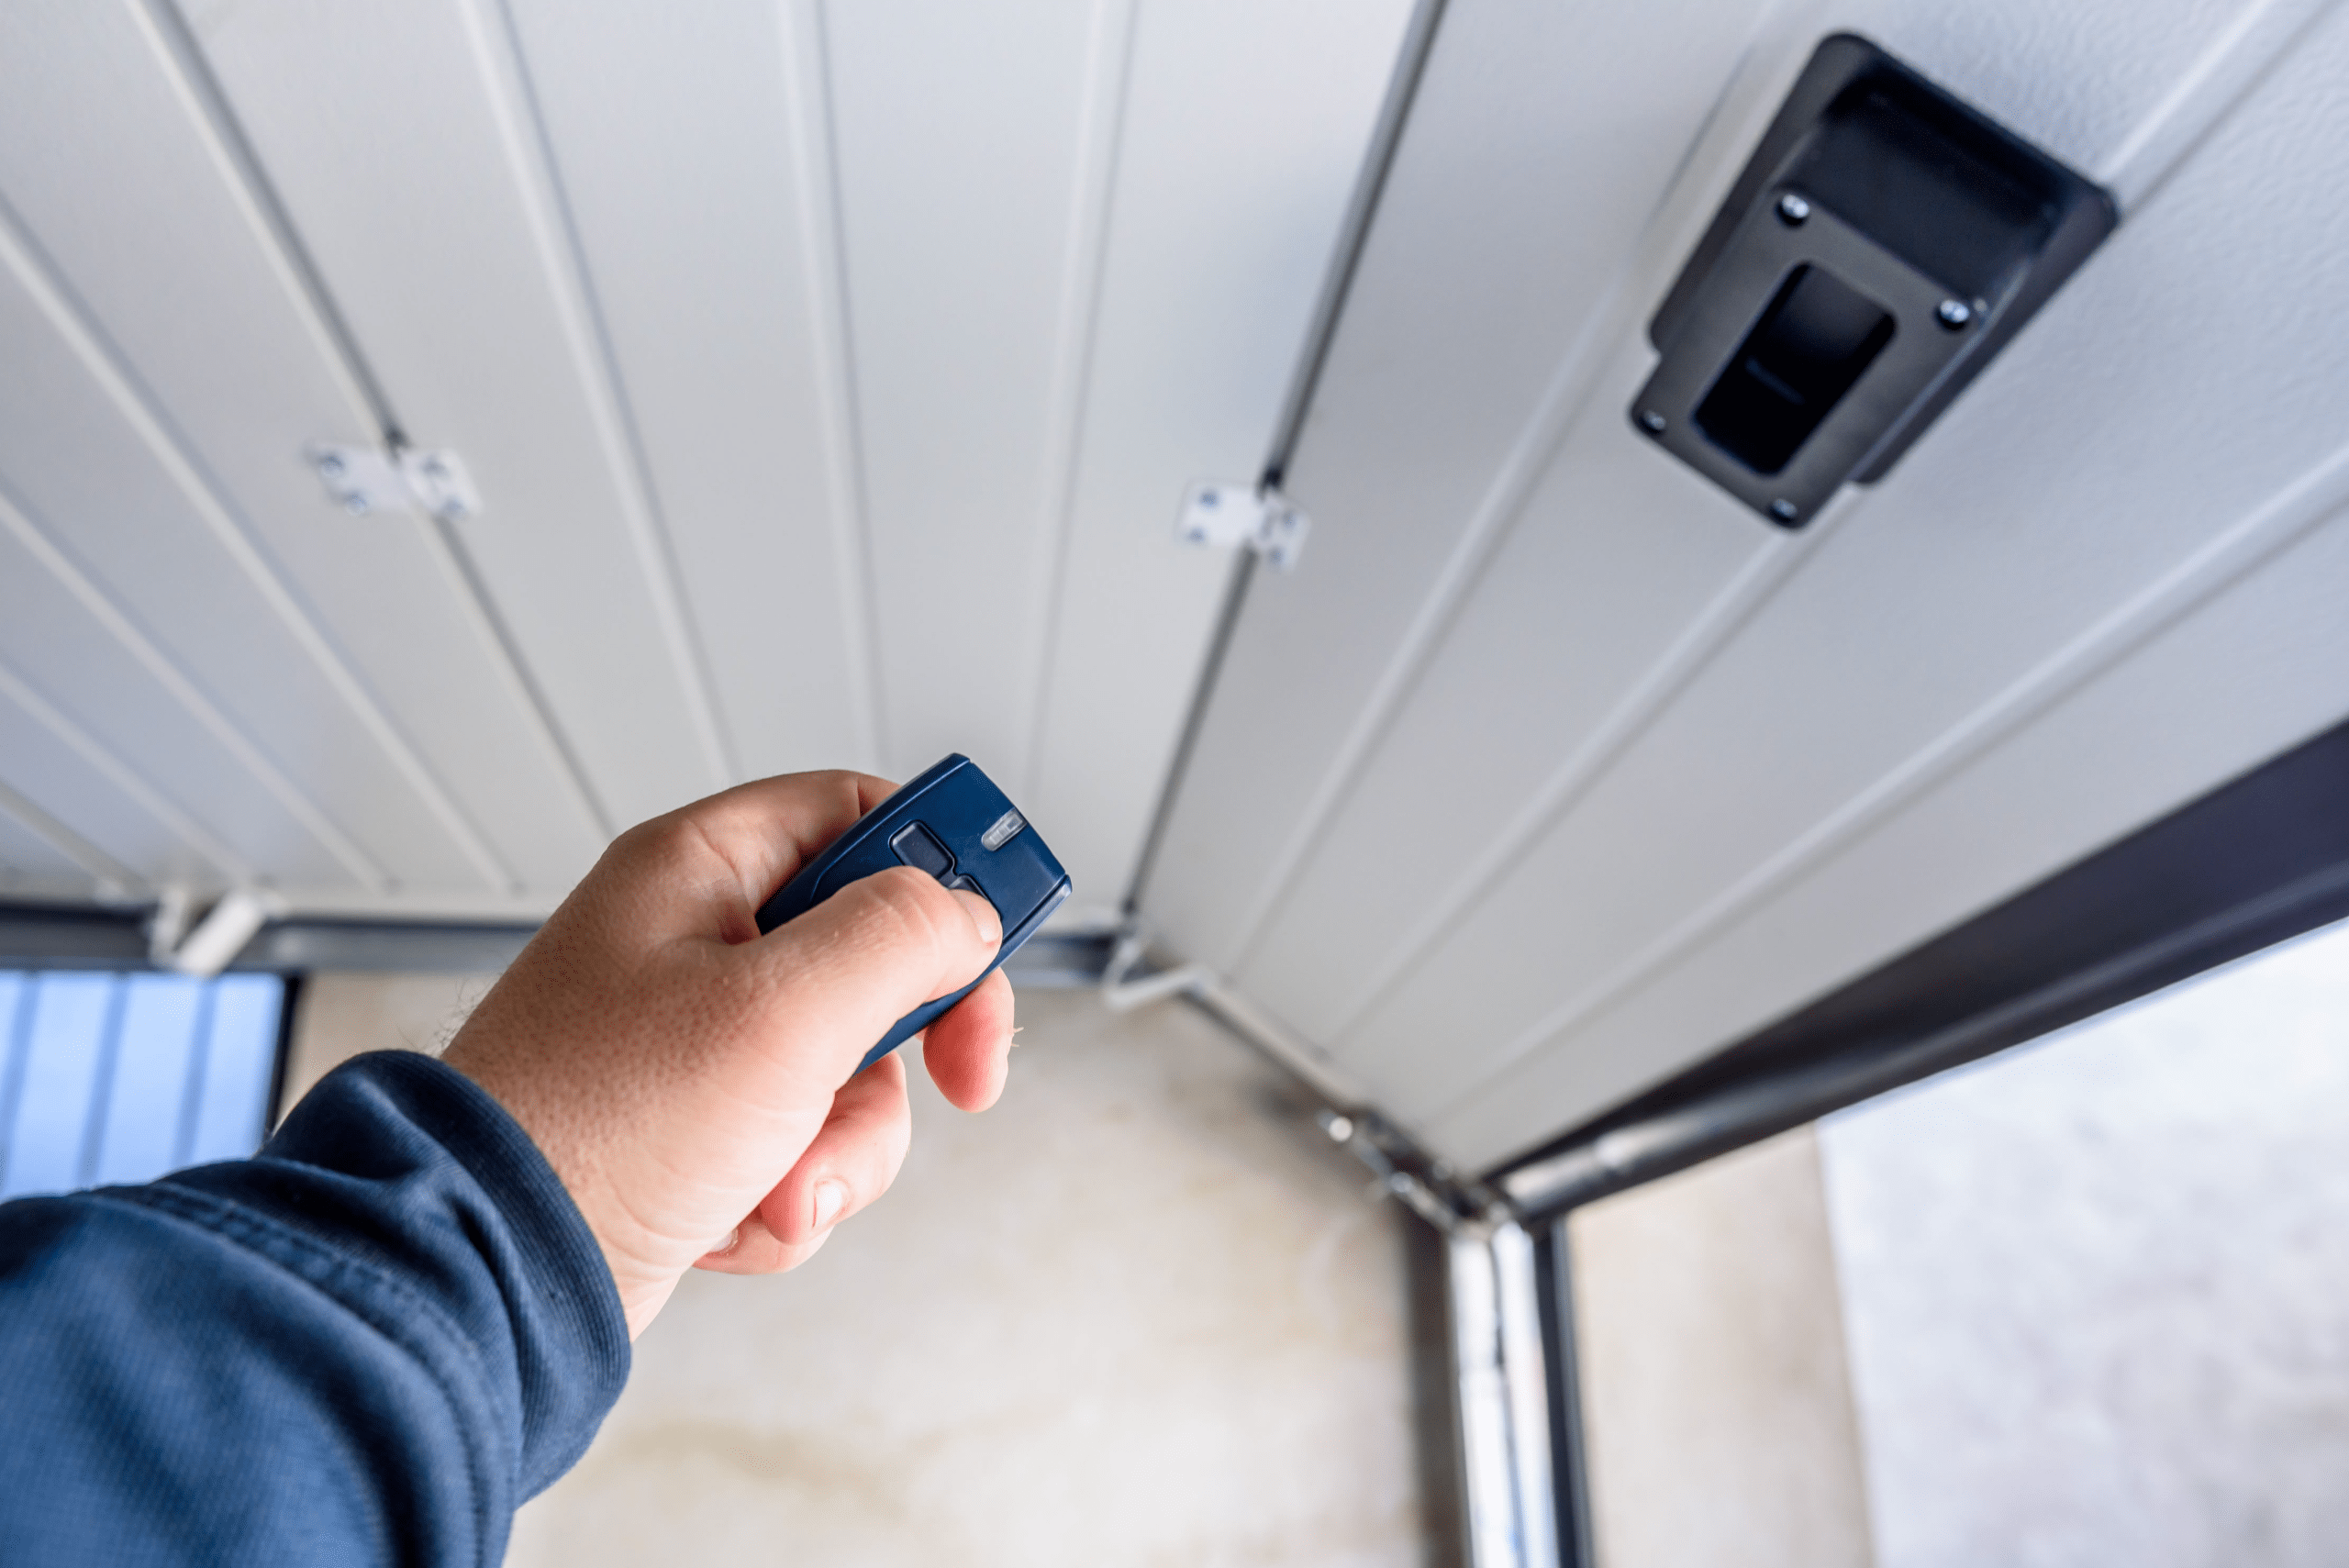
x=1005 y=827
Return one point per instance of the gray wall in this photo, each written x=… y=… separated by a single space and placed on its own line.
x=1716 y=1405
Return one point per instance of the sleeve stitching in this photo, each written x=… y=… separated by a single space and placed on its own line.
x=317 y=1266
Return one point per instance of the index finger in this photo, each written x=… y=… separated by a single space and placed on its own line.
x=751 y=840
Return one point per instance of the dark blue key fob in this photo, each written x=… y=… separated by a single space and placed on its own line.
x=954 y=824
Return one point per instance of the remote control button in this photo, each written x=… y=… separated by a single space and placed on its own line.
x=919 y=847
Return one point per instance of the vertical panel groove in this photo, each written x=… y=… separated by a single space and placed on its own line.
x=131 y=402
x=1756 y=584
x=480 y=607
x=304 y=288
x=807 y=73
x=505 y=78
x=1354 y=231
x=1195 y=718
x=205 y=106
x=2319 y=495
x=2236 y=62
x=103 y=868
x=121 y=774
x=1108 y=67
x=1328 y=306
x=1579 y=370
x=189 y=695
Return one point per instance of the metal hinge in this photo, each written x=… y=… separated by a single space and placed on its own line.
x=395 y=479
x=1431 y=1189
x=179 y=941
x=1222 y=512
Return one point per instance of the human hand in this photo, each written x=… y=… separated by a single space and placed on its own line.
x=685 y=1074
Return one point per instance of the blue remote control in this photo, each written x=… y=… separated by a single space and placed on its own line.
x=954 y=824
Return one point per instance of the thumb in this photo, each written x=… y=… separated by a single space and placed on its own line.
x=842 y=973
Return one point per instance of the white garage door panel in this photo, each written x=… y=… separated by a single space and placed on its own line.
x=123 y=819
x=1460 y=320
x=2031 y=513
x=133 y=708
x=406 y=153
x=1387 y=405
x=830 y=374
x=1587 y=600
x=145 y=222
x=2257 y=670
x=31 y=867
x=965 y=136
x=1458 y=815
x=103 y=496
x=1221 y=228
x=697 y=170
x=1571 y=639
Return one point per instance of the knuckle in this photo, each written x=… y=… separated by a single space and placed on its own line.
x=912 y=902
x=833 y=789
x=661 y=839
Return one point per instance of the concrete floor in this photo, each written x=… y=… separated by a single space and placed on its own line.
x=1140 y=1313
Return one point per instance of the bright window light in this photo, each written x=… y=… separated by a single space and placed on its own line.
x=119 y=1078
x=2094 y=1289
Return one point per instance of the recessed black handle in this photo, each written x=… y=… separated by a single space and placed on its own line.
x=1883 y=242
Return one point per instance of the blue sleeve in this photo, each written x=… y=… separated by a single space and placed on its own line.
x=368 y=1344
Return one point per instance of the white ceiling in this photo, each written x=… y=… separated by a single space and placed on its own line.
x=1555 y=769
x=830 y=375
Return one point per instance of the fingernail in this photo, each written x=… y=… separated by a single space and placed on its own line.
x=829 y=1195
x=733 y=1239
x=984 y=919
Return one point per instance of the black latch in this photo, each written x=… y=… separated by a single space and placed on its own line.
x=1882 y=244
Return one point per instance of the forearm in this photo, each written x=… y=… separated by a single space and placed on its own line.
x=368 y=1345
